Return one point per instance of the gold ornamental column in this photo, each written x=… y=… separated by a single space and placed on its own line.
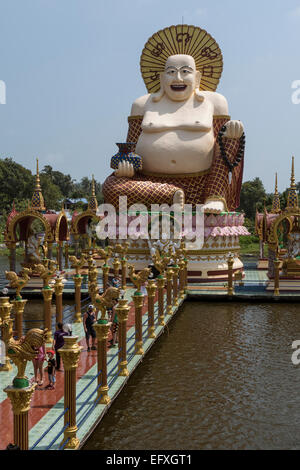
x=77 y=281
x=276 y=277
x=169 y=290
x=116 y=266
x=105 y=271
x=47 y=294
x=122 y=311
x=161 y=284
x=230 y=261
x=58 y=289
x=6 y=329
x=181 y=278
x=20 y=401
x=70 y=353
x=124 y=272
x=175 y=270
x=19 y=306
x=151 y=291
x=138 y=299
x=102 y=329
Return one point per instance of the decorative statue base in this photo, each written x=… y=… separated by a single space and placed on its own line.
x=183 y=147
x=206 y=263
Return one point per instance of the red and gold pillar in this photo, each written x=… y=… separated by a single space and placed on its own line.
x=102 y=329
x=77 y=281
x=58 y=289
x=124 y=272
x=175 y=270
x=19 y=306
x=138 y=299
x=70 y=353
x=20 y=401
x=151 y=290
x=6 y=329
x=47 y=294
x=160 y=285
x=169 y=290
x=122 y=311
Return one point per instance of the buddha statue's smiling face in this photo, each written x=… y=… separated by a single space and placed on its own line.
x=180 y=78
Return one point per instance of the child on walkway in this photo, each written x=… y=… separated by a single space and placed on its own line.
x=38 y=362
x=51 y=370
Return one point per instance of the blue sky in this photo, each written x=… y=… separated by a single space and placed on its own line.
x=71 y=69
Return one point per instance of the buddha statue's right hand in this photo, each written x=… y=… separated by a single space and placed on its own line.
x=125 y=170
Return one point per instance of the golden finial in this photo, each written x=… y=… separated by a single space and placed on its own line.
x=276 y=199
x=93 y=186
x=37 y=178
x=276 y=184
x=293 y=182
x=37 y=200
x=292 y=200
x=93 y=204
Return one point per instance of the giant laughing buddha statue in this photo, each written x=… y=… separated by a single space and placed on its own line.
x=190 y=150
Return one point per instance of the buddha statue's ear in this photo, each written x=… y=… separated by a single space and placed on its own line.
x=198 y=78
x=158 y=96
x=199 y=95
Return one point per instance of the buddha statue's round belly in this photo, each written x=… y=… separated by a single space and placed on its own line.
x=176 y=151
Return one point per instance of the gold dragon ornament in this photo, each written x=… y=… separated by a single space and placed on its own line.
x=138 y=279
x=18 y=282
x=46 y=273
x=77 y=263
x=106 y=300
x=23 y=350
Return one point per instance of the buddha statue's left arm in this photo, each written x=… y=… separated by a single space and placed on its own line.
x=221 y=193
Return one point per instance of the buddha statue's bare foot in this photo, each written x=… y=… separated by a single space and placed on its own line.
x=178 y=198
x=215 y=207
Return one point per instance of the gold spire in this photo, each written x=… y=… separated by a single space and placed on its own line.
x=93 y=203
x=276 y=200
x=37 y=200
x=292 y=200
x=293 y=182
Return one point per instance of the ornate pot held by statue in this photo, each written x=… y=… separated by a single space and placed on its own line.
x=126 y=154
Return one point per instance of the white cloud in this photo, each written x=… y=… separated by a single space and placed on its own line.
x=188 y=15
x=295 y=13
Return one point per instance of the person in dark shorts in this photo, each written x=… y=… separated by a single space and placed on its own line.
x=51 y=370
x=58 y=342
x=113 y=318
x=89 y=319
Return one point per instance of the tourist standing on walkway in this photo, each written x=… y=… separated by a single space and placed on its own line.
x=113 y=318
x=51 y=370
x=58 y=343
x=38 y=363
x=89 y=319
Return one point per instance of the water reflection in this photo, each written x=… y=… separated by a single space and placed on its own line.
x=222 y=379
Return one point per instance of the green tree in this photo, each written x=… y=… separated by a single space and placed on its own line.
x=252 y=194
x=65 y=183
x=16 y=184
x=52 y=194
